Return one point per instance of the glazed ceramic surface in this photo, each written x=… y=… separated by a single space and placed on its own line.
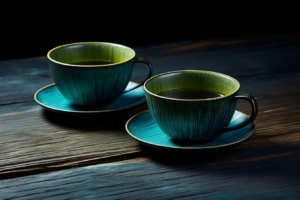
x=92 y=85
x=50 y=98
x=144 y=129
x=195 y=119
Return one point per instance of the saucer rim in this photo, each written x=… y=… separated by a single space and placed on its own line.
x=211 y=147
x=71 y=111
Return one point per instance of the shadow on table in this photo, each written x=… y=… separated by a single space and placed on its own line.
x=115 y=120
x=272 y=166
x=177 y=157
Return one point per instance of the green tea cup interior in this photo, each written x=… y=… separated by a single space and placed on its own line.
x=195 y=105
x=93 y=74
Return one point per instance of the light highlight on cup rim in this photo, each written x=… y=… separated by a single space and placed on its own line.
x=209 y=99
x=107 y=65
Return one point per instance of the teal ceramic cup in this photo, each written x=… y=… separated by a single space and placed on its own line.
x=93 y=74
x=197 y=120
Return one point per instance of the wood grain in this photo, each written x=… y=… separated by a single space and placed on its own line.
x=37 y=141
x=162 y=177
x=44 y=138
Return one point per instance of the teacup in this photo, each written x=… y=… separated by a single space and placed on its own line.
x=93 y=74
x=190 y=119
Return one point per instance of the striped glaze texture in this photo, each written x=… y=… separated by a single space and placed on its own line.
x=192 y=120
x=91 y=85
x=143 y=128
x=50 y=98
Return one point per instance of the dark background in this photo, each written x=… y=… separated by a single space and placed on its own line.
x=32 y=30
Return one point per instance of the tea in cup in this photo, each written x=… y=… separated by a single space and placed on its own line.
x=195 y=105
x=93 y=74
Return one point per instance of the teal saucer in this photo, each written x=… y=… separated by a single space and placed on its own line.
x=144 y=129
x=51 y=99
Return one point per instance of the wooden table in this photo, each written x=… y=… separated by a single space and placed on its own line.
x=46 y=155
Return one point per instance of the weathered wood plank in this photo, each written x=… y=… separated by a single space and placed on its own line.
x=165 y=177
x=267 y=66
x=46 y=139
x=42 y=137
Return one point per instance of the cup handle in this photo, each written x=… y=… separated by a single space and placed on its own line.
x=254 y=106
x=141 y=60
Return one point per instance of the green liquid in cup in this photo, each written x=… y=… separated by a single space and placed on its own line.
x=93 y=62
x=190 y=94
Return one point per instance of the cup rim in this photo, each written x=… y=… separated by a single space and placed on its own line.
x=106 y=65
x=208 y=99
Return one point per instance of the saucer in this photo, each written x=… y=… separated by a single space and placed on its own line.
x=51 y=99
x=144 y=129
